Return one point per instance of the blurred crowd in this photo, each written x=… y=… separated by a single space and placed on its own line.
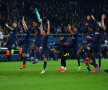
x=59 y=12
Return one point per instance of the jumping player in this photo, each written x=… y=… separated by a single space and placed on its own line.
x=73 y=43
x=36 y=42
x=89 y=39
x=45 y=34
x=96 y=44
x=11 y=39
x=26 y=43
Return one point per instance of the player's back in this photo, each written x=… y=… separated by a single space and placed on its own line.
x=45 y=41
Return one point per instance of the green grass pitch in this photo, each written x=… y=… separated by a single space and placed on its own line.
x=12 y=78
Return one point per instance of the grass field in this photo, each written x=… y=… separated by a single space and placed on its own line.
x=12 y=78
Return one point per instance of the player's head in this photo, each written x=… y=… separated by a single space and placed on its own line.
x=34 y=24
x=75 y=29
x=61 y=38
x=14 y=24
x=88 y=17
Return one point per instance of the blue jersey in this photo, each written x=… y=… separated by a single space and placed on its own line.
x=45 y=42
x=74 y=38
x=98 y=35
x=90 y=37
x=13 y=35
x=26 y=37
x=39 y=33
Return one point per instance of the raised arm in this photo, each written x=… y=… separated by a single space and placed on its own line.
x=48 y=32
x=98 y=24
x=102 y=22
x=24 y=24
x=41 y=28
x=69 y=29
x=9 y=27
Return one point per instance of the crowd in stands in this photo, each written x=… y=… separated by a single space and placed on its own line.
x=59 y=12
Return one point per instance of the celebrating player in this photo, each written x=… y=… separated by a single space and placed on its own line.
x=36 y=42
x=63 y=50
x=45 y=34
x=96 y=44
x=11 y=39
x=25 y=43
x=74 y=41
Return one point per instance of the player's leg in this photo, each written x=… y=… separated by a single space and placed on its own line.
x=63 y=59
x=24 y=60
x=24 y=57
x=86 y=60
x=32 y=52
x=46 y=55
x=87 y=64
x=78 y=59
x=37 y=55
x=90 y=48
x=62 y=65
x=44 y=66
x=99 y=57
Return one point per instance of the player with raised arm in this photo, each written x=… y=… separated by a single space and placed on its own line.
x=45 y=49
x=73 y=43
x=37 y=38
x=89 y=39
x=96 y=44
x=11 y=39
x=26 y=43
x=36 y=42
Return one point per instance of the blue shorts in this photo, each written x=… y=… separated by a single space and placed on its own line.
x=38 y=42
x=95 y=47
x=73 y=48
x=25 y=48
x=45 y=53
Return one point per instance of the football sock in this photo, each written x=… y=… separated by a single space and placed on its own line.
x=32 y=53
x=45 y=63
x=78 y=59
x=37 y=55
x=24 y=60
x=88 y=68
x=64 y=68
x=94 y=62
x=99 y=56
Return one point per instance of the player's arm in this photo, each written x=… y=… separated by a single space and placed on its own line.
x=102 y=22
x=41 y=28
x=95 y=21
x=69 y=29
x=81 y=48
x=24 y=24
x=66 y=44
x=48 y=32
x=54 y=44
x=6 y=36
x=9 y=27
